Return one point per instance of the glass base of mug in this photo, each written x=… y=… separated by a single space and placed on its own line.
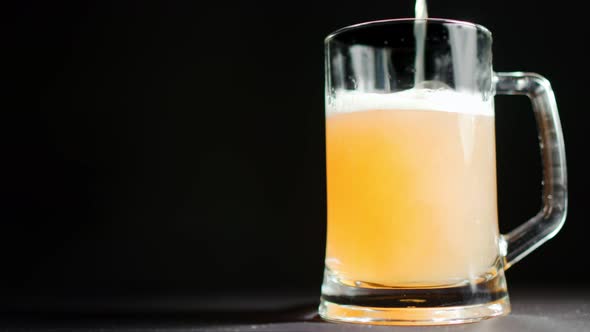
x=413 y=316
x=465 y=302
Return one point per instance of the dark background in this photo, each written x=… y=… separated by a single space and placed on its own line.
x=154 y=150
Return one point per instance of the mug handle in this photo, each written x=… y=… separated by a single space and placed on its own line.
x=543 y=226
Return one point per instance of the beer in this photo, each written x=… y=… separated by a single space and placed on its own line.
x=411 y=184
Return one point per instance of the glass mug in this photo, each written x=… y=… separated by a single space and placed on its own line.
x=412 y=235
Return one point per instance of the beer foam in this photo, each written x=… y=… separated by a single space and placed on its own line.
x=443 y=100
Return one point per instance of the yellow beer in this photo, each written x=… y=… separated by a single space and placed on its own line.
x=411 y=192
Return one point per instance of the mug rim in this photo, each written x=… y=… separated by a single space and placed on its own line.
x=407 y=20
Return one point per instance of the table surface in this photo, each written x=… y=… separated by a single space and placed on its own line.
x=536 y=310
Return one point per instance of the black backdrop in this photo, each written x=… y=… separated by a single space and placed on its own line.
x=157 y=149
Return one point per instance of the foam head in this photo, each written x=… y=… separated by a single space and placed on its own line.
x=425 y=99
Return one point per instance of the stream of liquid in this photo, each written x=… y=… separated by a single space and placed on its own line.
x=421 y=13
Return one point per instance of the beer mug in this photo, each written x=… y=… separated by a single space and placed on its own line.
x=412 y=223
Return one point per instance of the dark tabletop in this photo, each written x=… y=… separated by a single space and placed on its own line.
x=532 y=310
